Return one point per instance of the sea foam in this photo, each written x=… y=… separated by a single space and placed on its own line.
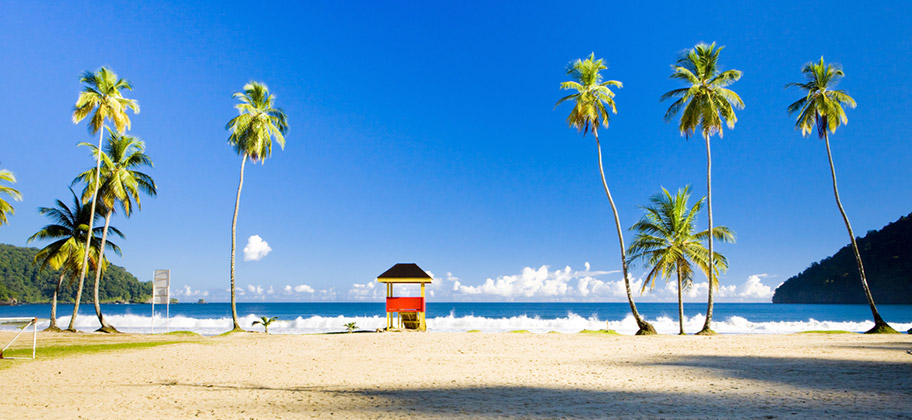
x=570 y=324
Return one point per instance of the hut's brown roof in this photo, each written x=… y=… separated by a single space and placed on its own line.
x=404 y=270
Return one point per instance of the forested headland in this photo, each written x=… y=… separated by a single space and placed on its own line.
x=887 y=256
x=23 y=281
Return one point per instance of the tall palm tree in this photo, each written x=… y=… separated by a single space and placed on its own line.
x=121 y=184
x=704 y=103
x=101 y=96
x=258 y=122
x=68 y=229
x=591 y=103
x=822 y=107
x=6 y=208
x=667 y=243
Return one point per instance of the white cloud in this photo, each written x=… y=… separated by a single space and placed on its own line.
x=187 y=291
x=256 y=248
x=258 y=290
x=301 y=288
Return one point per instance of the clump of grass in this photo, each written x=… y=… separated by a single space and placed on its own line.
x=520 y=332
x=183 y=333
x=605 y=332
x=473 y=331
x=553 y=332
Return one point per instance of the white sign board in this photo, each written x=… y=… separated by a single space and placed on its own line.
x=161 y=290
x=161 y=293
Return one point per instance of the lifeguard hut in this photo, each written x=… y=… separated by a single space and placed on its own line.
x=405 y=312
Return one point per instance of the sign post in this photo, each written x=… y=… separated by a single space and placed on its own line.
x=161 y=294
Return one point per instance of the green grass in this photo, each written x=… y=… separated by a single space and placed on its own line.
x=56 y=351
x=599 y=332
x=520 y=332
x=826 y=332
x=183 y=333
x=553 y=332
x=469 y=331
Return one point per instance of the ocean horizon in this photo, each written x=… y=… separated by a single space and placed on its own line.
x=537 y=317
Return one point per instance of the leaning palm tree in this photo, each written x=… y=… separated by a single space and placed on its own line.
x=68 y=229
x=101 y=96
x=822 y=108
x=704 y=103
x=252 y=132
x=121 y=184
x=666 y=243
x=591 y=102
x=6 y=208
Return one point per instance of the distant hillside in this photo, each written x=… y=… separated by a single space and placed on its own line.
x=887 y=257
x=21 y=280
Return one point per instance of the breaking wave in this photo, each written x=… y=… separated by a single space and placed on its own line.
x=570 y=324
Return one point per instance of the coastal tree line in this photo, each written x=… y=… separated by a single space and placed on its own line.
x=665 y=238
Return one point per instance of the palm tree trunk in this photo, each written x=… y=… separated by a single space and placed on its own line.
x=105 y=327
x=680 y=301
x=880 y=326
x=237 y=203
x=53 y=326
x=645 y=328
x=85 y=258
x=709 y=211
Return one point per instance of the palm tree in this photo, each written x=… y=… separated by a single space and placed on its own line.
x=666 y=242
x=822 y=107
x=351 y=327
x=705 y=102
x=591 y=101
x=121 y=184
x=6 y=208
x=252 y=132
x=100 y=94
x=265 y=321
x=69 y=229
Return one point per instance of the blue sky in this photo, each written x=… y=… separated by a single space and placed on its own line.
x=427 y=133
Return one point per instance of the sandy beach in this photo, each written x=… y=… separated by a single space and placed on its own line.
x=465 y=375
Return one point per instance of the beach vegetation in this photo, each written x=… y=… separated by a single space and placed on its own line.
x=102 y=98
x=473 y=331
x=822 y=110
x=183 y=333
x=252 y=132
x=121 y=184
x=668 y=244
x=265 y=322
x=593 y=104
x=68 y=230
x=520 y=332
x=351 y=327
x=705 y=103
x=600 y=332
x=5 y=207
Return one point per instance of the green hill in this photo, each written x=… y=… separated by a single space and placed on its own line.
x=887 y=257
x=21 y=280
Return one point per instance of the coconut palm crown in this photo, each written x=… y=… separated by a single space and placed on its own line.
x=102 y=94
x=822 y=108
x=706 y=101
x=257 y=123
x=6 y=208
x=592 y=101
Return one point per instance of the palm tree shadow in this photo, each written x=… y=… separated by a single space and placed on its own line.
x=886 y=378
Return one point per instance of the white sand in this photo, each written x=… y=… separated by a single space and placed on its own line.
x=465 y=375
